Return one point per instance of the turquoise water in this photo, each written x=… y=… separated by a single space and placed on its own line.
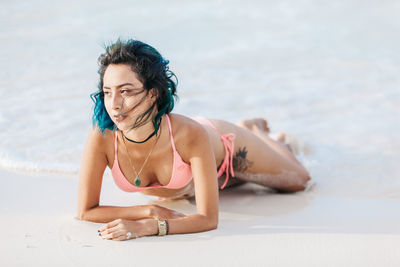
x=325 y=72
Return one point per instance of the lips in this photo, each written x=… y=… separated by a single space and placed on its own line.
x=119 y=118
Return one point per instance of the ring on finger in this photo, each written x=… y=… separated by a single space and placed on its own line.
x=128 y=235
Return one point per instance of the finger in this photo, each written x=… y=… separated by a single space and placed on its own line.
x=120 y=238
x=110 y=224
x=108 y=236
x=124 y=238
x=113 y=235
x=111 y=230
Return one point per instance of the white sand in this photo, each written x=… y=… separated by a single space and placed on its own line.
x=257 y=228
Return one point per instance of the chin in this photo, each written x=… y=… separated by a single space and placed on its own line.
x=122 y=127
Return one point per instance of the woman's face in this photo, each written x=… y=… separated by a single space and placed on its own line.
x=124 y=96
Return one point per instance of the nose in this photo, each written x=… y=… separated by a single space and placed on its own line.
x=116 y=102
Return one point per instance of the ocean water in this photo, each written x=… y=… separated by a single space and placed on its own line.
x=326 y=72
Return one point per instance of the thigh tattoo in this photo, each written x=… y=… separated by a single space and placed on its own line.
x=284 y=179
x=240 y=161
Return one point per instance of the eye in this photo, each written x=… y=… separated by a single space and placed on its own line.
x=106 y=93
x=125 y=91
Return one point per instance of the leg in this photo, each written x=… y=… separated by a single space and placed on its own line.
x=259 y=127
x=262 y=160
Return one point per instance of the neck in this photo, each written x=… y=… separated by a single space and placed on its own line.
x=141 y=134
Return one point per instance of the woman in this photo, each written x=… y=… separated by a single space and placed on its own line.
x=156 y=152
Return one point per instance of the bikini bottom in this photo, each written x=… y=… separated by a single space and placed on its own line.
x=228 y=142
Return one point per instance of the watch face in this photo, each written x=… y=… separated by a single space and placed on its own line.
x=162 y=227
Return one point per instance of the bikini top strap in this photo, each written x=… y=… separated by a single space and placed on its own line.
x=170 y=132
x=116 y=142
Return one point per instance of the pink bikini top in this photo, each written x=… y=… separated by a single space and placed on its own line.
x=181 y=171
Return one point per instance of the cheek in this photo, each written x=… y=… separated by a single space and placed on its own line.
x=131 y=101
x=107 y=105
x=148 y=102
x=136 y=103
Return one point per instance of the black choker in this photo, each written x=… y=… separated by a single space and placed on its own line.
x=150 y=136
x=133 y=141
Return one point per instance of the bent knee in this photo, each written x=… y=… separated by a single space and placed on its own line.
x=291 y=189
x=300 y=186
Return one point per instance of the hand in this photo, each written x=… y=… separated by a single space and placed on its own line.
x=162 y=213
x=117 y=229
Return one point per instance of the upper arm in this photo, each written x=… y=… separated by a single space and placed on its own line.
x=93 y=164
x=204 y=171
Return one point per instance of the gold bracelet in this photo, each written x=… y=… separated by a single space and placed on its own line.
x=162 y=227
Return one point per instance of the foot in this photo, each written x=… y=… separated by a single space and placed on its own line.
x=259 y=124
x=281 y=138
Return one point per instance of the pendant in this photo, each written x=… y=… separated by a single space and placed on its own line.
x=137 y=181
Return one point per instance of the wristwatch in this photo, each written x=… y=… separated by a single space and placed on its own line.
x=162 y=227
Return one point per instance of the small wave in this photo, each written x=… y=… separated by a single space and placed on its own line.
x=29 y=167
x=41 y=168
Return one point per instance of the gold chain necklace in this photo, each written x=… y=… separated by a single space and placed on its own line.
x=137 y=180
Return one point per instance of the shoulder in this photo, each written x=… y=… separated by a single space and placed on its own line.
x=186 y=128
x=98 y=141
x=189 y=135
x=99 y=145
x=96 y=134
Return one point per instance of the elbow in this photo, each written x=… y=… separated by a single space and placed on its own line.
x=214 y=226
x=81 y=216
x=85 y=214
x=213 y=223
x=208 y=222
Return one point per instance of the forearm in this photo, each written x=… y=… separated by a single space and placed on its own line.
x=192 y=224
x=188 y=224
x=105 y=214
